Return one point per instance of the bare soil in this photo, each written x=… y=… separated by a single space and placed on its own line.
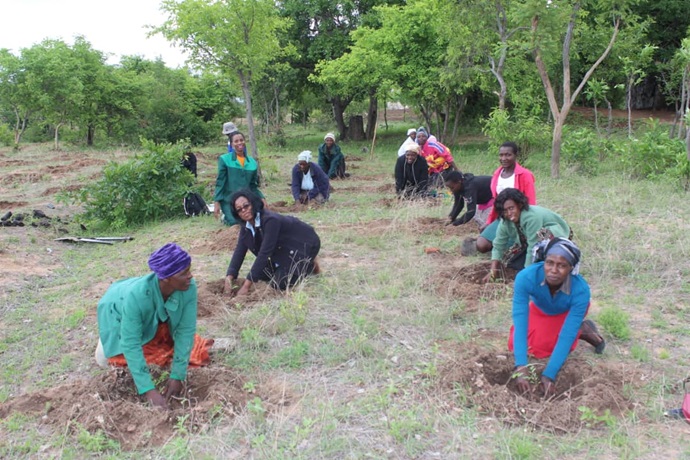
x=109 y=403
x=476 y=375
x=466 y=282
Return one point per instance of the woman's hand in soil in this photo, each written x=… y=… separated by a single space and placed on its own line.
x=156 y=399
x=548 y=386
x=521 y=379
x=173 y=389
x=244 y=290
x=229 y=287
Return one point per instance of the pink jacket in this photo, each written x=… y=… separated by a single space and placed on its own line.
x=524 y=181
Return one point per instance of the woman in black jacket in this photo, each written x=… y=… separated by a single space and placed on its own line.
x=284 y=246
x=411 y=174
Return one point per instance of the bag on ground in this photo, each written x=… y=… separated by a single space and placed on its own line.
x=194 y=204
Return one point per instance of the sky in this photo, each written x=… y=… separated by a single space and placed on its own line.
x=116 y=27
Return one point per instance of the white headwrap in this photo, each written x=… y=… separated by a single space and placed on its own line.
x=304 y=156
x=331 y=135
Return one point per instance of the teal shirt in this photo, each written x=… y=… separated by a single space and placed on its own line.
x=232 y=176
x=531 y=221
x=128 y=317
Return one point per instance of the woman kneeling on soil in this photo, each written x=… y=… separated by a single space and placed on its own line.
x=284 y=246
x=550 y=302
x=152 y=320
x=309 y=182
x=526 y=225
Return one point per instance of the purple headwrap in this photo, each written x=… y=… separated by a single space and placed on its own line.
x=169 y=260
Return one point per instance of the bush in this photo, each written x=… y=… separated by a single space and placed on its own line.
x=6 y=135
x=654 y=154
x=584 y=149
x=527 y=131
x=148 y=187
x=615 y=322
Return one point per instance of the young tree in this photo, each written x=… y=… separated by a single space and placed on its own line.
x=635 y=69
x=547 y=23
x=14 y=93
x=234 y=37
x=55 y=80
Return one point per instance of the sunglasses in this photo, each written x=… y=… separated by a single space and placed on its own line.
x=244 y=207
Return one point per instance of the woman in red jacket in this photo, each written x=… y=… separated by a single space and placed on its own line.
x=509 y=175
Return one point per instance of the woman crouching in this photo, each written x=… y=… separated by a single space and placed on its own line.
x=550 y=302
x=284 y=246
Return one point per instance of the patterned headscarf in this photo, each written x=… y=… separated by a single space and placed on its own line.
x=559 y=247
x=422 y=129
x=169 y=260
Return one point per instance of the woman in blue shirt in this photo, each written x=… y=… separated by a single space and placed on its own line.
x=550 y=303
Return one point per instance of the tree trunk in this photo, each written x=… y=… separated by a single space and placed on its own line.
x=596 y=117
x=356 y=130
x=90 y=129
x=19 y=127
x=246 y=90
x=57 y=129
x=385 y=113
x=372 y=114
x=609 y=124
x=339 y=105
x=556 y=147
x=628 y=103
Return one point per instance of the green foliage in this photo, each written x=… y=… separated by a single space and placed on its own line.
x=584 y=149
x=293 y=356
x=6 y=137
x=615 y=321
x=294 y=309
x=95 y=442
x=148 y=187
x=526 y=130
x=592 y=419
x=640 y=353
x=654 y=154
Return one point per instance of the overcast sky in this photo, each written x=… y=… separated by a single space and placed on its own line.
x=114 y=27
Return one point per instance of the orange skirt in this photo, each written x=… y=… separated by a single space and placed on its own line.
x=542 y=332
x=161 y=348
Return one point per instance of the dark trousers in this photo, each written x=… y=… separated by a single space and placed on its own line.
x=287 y=266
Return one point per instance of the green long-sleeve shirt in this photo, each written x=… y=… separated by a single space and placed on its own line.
x=531 y=221
x=128 y=317
x=232 y=176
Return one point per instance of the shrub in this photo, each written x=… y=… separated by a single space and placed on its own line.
x=148 y=187
x=584 y=149
x=615 y=322
x=654 y=154
x=526 y=130
x=6 y=135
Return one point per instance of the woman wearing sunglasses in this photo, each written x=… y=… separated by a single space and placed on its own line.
x=284 y=246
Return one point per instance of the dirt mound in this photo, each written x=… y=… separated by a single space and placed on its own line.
x=223 y=240
x=20 y=178
x=284 y=206
x=66 y=188
x=12 y=204
x=428 y=225
x=586 y=392
x=466 y=283
x=109 y=403
x=213 y=302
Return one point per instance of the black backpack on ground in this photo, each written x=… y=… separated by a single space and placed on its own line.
x=194 y=204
